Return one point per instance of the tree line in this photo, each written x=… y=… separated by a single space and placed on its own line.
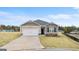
x=8 y=27
x=68 y=29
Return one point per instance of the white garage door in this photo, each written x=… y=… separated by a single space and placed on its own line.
x=30 y=31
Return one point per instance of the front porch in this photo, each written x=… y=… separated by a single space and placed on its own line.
x=49 y=31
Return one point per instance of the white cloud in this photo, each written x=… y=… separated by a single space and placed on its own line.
x=65 y=19
x=18 y=19
x=64 y=16
x=15 y=19
x=60 y=16
x=76 y=8
x=2 y=13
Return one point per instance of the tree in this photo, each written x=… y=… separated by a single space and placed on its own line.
x=68 y=29
x=15 y=28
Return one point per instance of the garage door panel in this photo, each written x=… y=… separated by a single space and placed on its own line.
x=30 y=31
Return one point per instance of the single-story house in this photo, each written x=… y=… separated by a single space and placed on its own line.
x=38 y=27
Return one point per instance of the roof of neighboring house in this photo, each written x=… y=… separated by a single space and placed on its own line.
x=30 y=23
x=38 y=22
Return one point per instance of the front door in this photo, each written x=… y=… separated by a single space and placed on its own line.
x=42 y=30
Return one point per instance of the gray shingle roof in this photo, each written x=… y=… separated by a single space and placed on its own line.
x=38 y=22
x=30 y=23
x=41 y=22
x=52 y=24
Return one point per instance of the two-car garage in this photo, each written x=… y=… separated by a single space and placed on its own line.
x=31 y=30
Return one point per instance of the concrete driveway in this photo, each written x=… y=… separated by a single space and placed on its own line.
x=24 y=42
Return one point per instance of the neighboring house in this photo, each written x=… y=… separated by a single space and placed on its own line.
x=75 y=32
x=38 y=27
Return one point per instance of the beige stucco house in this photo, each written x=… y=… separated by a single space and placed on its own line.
x=38 y=27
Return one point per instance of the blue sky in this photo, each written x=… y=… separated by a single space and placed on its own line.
x=65 y=16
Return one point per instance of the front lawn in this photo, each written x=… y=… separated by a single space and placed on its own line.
x=6 y=37
x=61 y=41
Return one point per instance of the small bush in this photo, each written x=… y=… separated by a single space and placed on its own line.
x=51 y=35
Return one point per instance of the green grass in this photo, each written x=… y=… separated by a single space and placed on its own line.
x=6 y=37
x=61 y=41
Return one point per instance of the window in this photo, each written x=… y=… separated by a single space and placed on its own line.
x=50 y=29
x=47 y=29
x=54 y=29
